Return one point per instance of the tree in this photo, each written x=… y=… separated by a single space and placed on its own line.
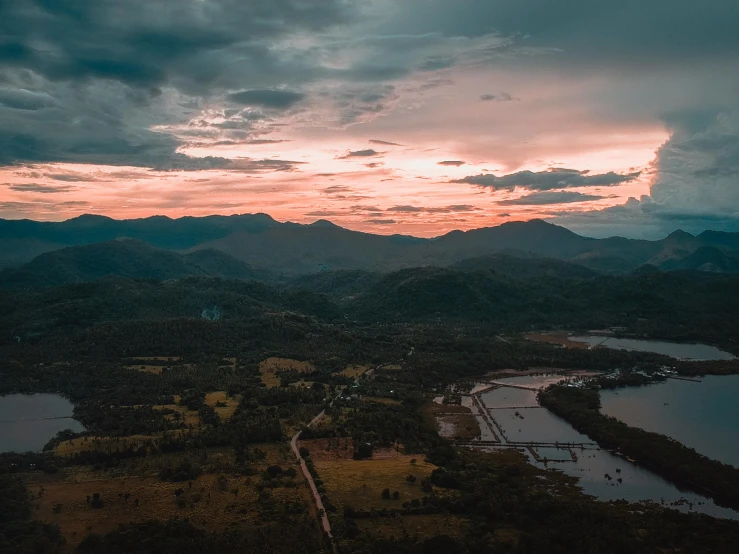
x=411 y=479
x=96 y=502
x=396 y=495
x=385 y=494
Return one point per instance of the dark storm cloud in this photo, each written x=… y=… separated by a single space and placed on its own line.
x=21 y=99
x=149 y=43
x=276 y=99
x=86 y=81
x=626 y=33
x=550 y=197
x=547 y=180
x=361 y=154
x=455 y=163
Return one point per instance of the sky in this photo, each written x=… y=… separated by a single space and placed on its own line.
x=385 y=116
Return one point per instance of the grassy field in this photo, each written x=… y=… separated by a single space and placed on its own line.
x=452 y=422
x=413 y=526
x=271 y=367
x=100 y=444
x=354 y=371
x=188 y=417
x=342 y=448
x=211 y=502
x=378 y=400
x=556 y=338
x=156 y=369
x=231 y=403
x=359 y=484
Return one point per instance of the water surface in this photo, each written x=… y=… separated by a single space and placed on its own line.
x=598 y=471
x=703 y=416
x=682 y=351
x=29 y=421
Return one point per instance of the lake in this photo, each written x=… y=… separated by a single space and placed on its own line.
x=29 y=421
x=703 y=416
x=515 y=415
x=682 y=351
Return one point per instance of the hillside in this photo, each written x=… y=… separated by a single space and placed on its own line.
x=295 y=249
x=126 y=258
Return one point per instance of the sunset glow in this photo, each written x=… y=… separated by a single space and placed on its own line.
x=373 y=120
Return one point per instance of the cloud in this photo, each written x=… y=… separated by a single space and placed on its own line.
x=597 y=35
x=247 y=165
x=384 y=142
x=500 y=97
x=694 y=185
x=455 y=163
x=550 y=197
x=432 y=210
x=39 y=188
x=555 y=178
x=265 y=141
x=21 y=99
x=381 y=221
x=369 y=153
x=108 y=82
x=274 y=99
x=324 y=213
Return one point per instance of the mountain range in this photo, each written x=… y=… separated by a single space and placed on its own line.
x=255 y=246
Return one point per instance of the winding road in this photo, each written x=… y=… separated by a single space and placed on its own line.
x=308 y=477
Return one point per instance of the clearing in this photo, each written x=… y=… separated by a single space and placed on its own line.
x=271 y=367
x=359 y=483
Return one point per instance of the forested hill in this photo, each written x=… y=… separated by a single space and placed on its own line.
x=292 y=248
x=684 y=305
x=125 y=258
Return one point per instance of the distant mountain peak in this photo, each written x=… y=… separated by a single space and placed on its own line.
x=324 y=223
x=680 y=235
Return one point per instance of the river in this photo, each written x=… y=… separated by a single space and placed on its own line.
x=518 y=418
x=703 y=416
x=29 y=421
x=681 y=351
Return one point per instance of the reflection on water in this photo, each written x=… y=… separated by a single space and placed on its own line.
x=683 y=351
x=29 y=421
x=554 y=454
x=533 y=381
x=600 y=473
x=703 y=416
x=536 y=425
x=507 y=397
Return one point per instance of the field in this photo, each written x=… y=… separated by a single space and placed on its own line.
x=156 y=369
x=188 y=417
x=359 y=484
x=100 y=444
x=224 y=411
x=556 y=338
x=214 y=502
x=413 y=526
x=271 y=367
x=353 y=371
x=379 y=400
x=452 y=422
x=342 y=448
